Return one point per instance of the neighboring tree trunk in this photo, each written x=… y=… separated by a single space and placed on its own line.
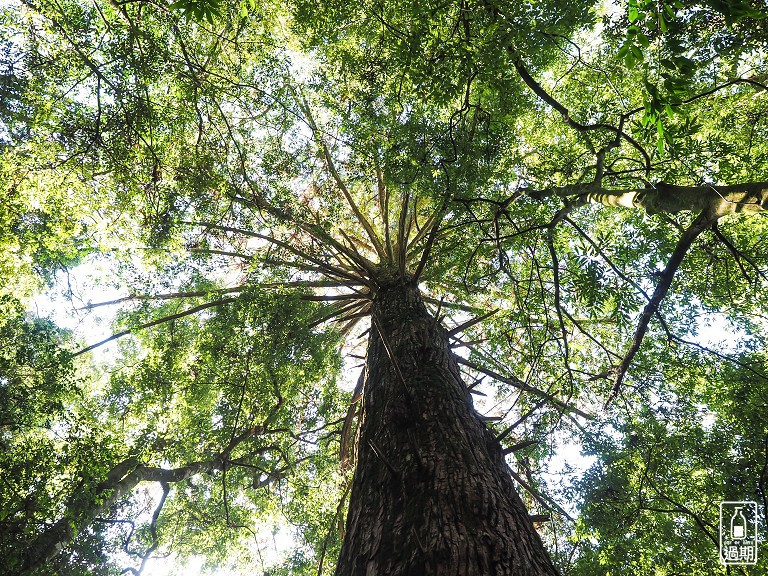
x=432 y=493
x=80 y=511
x=662 y=197
x=90 y=502
x=84 y=507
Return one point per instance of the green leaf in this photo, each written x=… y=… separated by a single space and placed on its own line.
x=668 y=64
x=623 y=50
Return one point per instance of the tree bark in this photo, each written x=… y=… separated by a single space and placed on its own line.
x=432 y=493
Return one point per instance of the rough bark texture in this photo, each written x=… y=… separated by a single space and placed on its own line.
x=432 y=493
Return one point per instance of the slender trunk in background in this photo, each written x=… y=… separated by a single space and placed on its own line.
x=432 y=493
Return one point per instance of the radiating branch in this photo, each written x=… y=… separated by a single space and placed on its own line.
x=453 y=305
x=545 y=501
x=362 y=220
x=509 y=429
x=221 y=253
x=337 y=310
x=402 y=234
x=383 y=193
x=171 y=296
x=519 y=446
x=322 y=264
x=329 y=297
x=157 y=322
x=367 y=267
x=433 y=227
x=365 y=310
x=469 y=323
x=517 y=383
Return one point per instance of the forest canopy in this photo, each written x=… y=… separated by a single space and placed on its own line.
x=320 y=232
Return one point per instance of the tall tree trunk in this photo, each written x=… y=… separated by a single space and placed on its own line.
x=432 y=493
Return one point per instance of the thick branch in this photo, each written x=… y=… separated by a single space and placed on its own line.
x=701 y=223
x=364 y=222
x=171 y=296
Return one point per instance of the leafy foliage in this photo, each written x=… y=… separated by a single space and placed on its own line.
x=585 y=179
x=652 y=502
